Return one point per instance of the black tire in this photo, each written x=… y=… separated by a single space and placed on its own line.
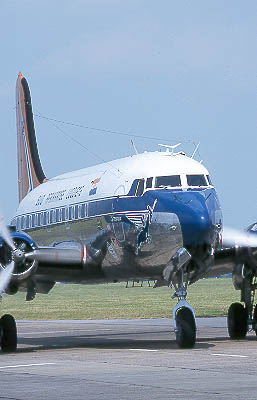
x=186 y=328
x=237 y=321
x=8 y=333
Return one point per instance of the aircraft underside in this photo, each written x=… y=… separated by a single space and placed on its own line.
x=127 y=245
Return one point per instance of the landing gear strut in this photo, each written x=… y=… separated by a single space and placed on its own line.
x=8 y=333
x=183 y=313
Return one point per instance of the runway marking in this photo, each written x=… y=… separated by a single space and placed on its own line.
x=69 y=331
x=26 y=365
x=142 y=350
x=229 y=355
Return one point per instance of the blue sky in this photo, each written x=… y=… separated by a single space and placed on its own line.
x=176 y=70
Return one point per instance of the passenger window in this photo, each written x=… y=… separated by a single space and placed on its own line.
x=71 y=212
x=28 y=222
x=44 y=218
x=167 y=181
x=52 y=217
x=196 y=180
x=149 y=183
x=76 y=212
x=63 y=214
x=57 y=213
x=38 y=218
x=82 y=210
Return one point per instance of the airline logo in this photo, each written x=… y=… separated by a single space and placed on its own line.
x=94 y=189
x=95 y=181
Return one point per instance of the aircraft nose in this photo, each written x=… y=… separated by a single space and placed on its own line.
x=195 y=216
x=196 y=225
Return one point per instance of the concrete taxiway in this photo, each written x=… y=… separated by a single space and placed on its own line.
x=120 y=359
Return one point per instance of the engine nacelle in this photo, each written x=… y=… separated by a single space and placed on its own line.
x=24 y=267
x=241 y=257
x=246 y=260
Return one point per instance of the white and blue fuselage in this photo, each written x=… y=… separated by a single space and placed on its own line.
x=129 y=216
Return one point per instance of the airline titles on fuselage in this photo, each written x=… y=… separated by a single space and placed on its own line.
x=59 y=195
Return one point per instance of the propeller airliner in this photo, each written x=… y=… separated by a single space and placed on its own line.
x=150 y=216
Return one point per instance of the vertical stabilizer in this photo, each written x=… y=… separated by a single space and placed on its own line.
x=30 y=172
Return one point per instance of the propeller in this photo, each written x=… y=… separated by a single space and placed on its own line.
x=235 y=237
x=5 y=276
x=4 y=232
x=6 y=273
x=18 y=255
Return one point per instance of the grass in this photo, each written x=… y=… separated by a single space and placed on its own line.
x=209 y=297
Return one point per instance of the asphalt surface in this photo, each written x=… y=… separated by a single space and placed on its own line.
x=118 y=359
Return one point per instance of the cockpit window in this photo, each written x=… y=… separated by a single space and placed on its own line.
x=164 y=181
x=140 y=187
x=149 y=183
x=196 y=180
x=209 y=180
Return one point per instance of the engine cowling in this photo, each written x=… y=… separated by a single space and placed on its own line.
x=246 y=261
x=251 y=252
x=239 y=254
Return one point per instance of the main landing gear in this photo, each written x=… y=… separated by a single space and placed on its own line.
x=183 y=313
x=8 y=333
x=243 y=318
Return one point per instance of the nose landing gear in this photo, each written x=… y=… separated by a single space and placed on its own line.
x=183 y=313
x=184 y=318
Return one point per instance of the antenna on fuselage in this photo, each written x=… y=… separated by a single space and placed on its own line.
x=170 y=147
x=134 y=146
x=195 y=150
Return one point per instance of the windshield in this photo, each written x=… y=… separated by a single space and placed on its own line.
x=196 y=180
x=209 y=180
x=163 y=181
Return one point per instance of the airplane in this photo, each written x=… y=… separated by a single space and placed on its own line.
x=150 y=216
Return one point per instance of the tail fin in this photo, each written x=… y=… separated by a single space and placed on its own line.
x=30 y=172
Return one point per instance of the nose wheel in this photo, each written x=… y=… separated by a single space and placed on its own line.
x=8 y=333
x=185 y=328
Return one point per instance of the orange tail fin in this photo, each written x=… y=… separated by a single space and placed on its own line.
x=30 y=172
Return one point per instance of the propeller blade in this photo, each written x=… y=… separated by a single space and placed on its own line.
x=4 y=232
x=5 y=276
x=232 y=237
